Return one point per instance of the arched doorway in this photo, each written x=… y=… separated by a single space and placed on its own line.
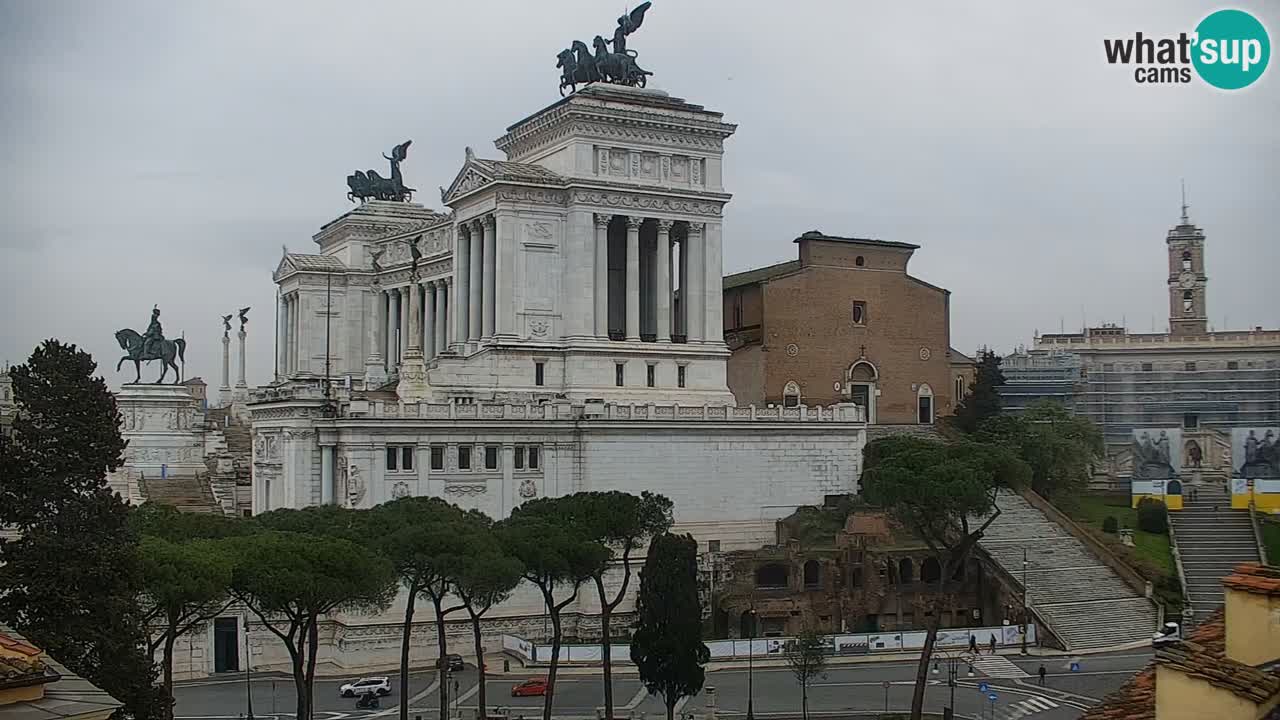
x=861 y=380
x=812 y=574
x=791 y=394
x=906 y=573
x=924 y=404
x=930 y=571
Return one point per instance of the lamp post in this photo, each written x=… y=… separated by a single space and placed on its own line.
x=953 y=660
x=751 y=665
x=1025 y=619
x=248 y=688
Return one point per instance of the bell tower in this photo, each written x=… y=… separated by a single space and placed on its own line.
x=1188 y=314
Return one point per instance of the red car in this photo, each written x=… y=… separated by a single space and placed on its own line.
x=533 y=687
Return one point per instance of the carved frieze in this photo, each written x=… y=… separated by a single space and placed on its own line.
x=471 y=489
x=533 y=195
x=632 y=201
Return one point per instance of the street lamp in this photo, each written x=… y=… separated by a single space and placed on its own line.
x=1025 y=618
x=953 y=660
x=751 y=665
x=248 y=689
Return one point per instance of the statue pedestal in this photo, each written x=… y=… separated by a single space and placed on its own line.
x=375 y=375
x=162 y=425
x=413 y=385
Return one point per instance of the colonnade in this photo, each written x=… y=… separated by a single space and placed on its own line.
x=412 y=317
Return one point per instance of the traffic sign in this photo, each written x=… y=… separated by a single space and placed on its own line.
x=1075 y=667
x=992 y=697
x=983 y=687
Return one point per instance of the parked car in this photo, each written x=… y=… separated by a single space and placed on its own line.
x=452 y=663
x=366 y=686
x=533 y=687
x=1171 y=632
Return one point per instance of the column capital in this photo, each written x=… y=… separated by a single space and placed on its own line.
x=490 y=221
x=665 y=225
x=477 y=224
x=602 y=221
x=634 y=221
x=462 y=228
x=695 y=229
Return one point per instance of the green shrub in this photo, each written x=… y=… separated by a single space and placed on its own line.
x=1153 y=516
x=1110 y=525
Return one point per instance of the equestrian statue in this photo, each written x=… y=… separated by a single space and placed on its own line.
x=369 y=185
x=578 y=66
x=151 y=345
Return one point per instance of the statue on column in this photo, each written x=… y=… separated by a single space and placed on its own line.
x=226 y=325
x=244 y=319
x=151 y=345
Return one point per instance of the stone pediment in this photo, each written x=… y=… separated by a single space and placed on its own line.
x=477 y=173
x=302 y=262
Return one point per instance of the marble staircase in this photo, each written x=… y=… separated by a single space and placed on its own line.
x=187 y=493
x=1212 y=540
x=1081 y=599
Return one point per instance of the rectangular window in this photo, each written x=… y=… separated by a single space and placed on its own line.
x=859 y=313
x=650 y=372
x=437 y=457
x=1189 y=367
x=713 y=546
x=406 y=458
x=1190 y=422
x=680 y=376
x=519 y=457
x=1233 y=365
x=464 y=457
x=1146 y=367
x=393 y=457
x=926 y=410
x=490 y=457
x=1108 y=367
x=617 y=374
x=533 y=457
x=538 y=373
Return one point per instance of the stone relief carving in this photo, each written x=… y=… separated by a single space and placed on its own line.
x=545 y=197
x=603 y=168
x=540 y=231
x=539 y=327
x=352 y=482
x=400 y=490
x=635 y=164
x=469 y=182
x=695 y=171
x=465 y=489
x=645 y=202
x=666 y=168
x=528 y=488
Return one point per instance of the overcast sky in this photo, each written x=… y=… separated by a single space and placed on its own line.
x=162 y=152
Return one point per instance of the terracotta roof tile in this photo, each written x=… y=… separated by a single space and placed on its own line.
x=1254 y=578
x=16 y=645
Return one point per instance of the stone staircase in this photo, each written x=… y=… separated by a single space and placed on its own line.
x=1071 y=590
x=188 y=494
x=1211 y=543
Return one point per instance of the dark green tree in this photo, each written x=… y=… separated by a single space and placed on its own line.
x=488 y=575
x=667 y=644
x=623 y=523
x=946 y=495
x=807 y=659
x=291 y=580
x=426 y=541
x=558 y=556
x=1060 y=448
x=71 y=579
x=982 y=401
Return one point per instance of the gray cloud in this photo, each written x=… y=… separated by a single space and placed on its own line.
x=162 y=152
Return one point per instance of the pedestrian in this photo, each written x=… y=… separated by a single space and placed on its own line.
x=973 y=643
x=1042 y=674
x=992 y=644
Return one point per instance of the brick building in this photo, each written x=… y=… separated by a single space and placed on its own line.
x=844 y=323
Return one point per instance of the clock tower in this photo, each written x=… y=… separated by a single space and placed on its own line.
x=1188 y=314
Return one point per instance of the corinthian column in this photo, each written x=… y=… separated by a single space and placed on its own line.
x=633 y=277
x=662 y=271
x=695 y=307
x=490 y=274
x=602 y=276
x=475 y=301
x=461 y=283
x=429 y=320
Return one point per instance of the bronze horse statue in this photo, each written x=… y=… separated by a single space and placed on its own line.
x=369 y=185
x=131 y=342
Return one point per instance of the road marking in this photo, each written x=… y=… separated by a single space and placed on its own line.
x=467 y=694
x=679 y=706
x=997 y=666
x=639 y=698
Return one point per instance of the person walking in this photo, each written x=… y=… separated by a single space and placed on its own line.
x=992 y=644
x=1041 y=672
x=973 y=644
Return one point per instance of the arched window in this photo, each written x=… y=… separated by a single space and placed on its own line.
x=859 y=261
x=1186 y=259
x=924 y=404
x=930 y=571
x=771 y=576
x=959 y=390
x=812 y=574
x=906 y=573
x=1188 y=301
x=791 y=394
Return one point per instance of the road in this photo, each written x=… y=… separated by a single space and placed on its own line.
x=854 y=687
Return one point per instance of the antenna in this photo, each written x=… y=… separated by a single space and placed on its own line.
x=1184 y=203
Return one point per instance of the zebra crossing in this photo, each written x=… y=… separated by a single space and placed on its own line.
x=997 y=666
x=1021 y=709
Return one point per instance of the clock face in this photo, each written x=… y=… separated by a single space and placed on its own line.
x=1187 y=280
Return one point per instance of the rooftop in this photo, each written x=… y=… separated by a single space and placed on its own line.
x=751 y=277
x=519 y=172
x=66 y=695
x=819 y=235
x=315 y=263
x=1255 y=579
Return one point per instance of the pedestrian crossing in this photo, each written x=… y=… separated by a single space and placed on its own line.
x=997 y=666
x=1023 y=708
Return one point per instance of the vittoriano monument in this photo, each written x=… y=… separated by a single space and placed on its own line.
x=369 y=185
x=579 y=67
x=151 y=345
